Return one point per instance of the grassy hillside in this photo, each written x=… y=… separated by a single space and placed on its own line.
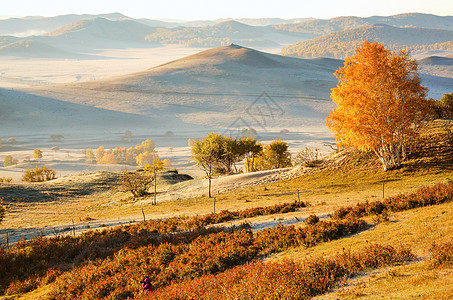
x=30 y=48
x=123 y=30
x=343 y=43
x=366 y=235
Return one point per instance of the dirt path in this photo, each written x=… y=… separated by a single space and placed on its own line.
x=69 y=193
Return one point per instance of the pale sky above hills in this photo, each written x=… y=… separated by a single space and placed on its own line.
x=211 y=9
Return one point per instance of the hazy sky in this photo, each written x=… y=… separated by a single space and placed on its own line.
x=212 y=9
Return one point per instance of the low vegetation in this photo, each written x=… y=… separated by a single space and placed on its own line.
x=39 y=174
x=442 y=254
x=5 y=179
x=287 y=280
x=308 y=157
x=131 y=252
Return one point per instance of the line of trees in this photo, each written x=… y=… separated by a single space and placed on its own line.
x=140 y=155
x=217 y=154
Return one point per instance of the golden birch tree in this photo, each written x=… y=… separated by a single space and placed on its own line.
x=380 y=103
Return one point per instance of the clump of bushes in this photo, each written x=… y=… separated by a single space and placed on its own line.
x=225 y=215
x=425 y=196
x=442 y=254
x=311 y=220
x=126 y=254
x=5 y=179
x=287 y=280
x=176 y=260
x=39 y=174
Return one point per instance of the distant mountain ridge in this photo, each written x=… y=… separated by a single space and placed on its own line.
x=319 y=27
x=222 y=33
x=104 y=28
x=337 y=37
x=341 y=44
x=22 y=27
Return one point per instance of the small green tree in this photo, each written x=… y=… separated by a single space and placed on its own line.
x=444 y=107
x=89 y=155
x=231 y=153
x=207 y=153
x=251 y=149
x=153 y=169
x=37 y=154
x=8 y=161
x=276 y=155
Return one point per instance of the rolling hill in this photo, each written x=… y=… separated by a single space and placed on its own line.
x=341 y=44
x=216 y=89
x=122 y=30
x=30 y=48
x=21 y=113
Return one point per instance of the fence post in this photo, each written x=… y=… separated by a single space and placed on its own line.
x=214 y=204
x=73 y=228
x=298 y=196
x=143 y=213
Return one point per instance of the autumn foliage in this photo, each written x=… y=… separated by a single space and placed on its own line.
x=380 y=103
x=108 y=264
x=287 y=280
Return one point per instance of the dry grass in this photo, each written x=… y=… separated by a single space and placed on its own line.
x=418 y=229
x=412 y=281
x=93 y=201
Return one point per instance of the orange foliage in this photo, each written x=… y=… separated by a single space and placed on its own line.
x=381 y=103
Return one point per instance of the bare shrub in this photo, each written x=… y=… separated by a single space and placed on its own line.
x=138 y=183
x=308 y=157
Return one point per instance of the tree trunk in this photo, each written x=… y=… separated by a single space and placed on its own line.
x=209 y=186
x=155 y=189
